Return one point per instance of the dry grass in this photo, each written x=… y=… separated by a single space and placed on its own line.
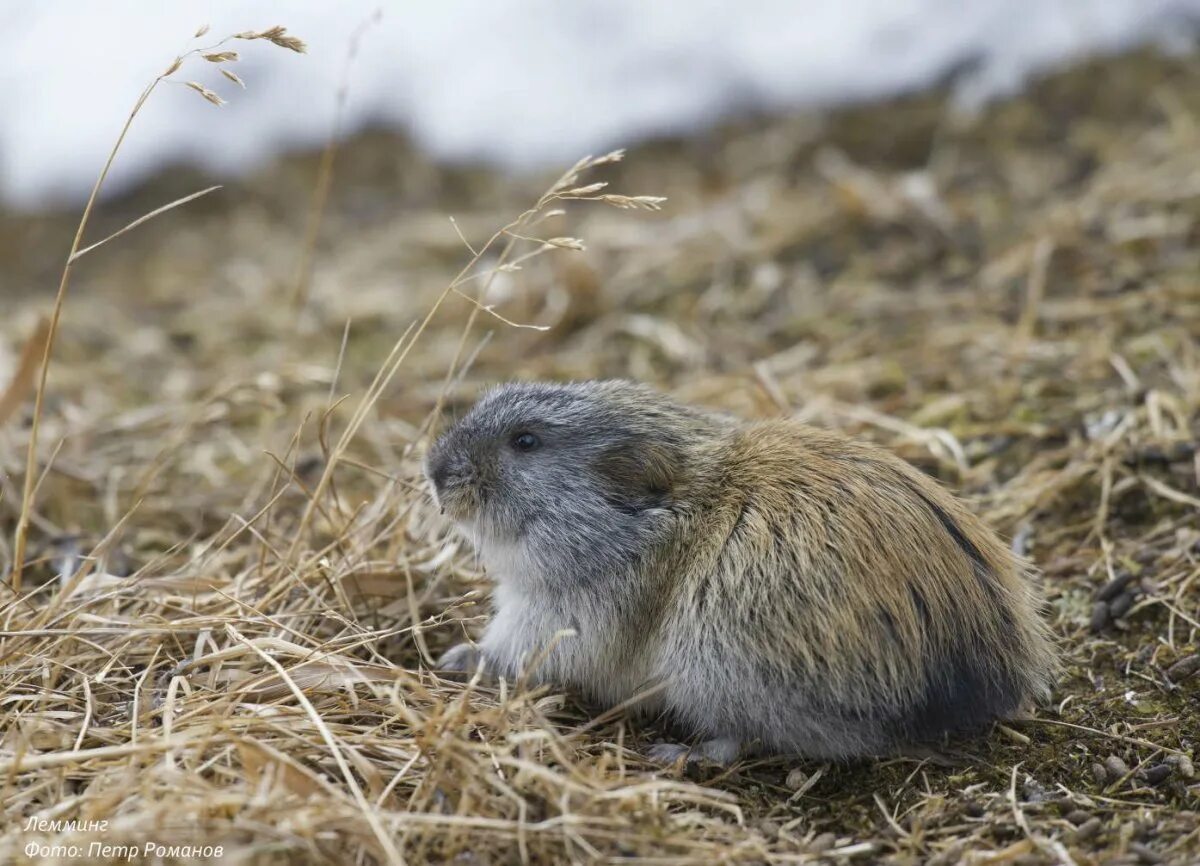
x=235 y=580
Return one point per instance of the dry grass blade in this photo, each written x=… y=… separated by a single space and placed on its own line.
x=320 y=196
x=142 y=219
x=21 y=386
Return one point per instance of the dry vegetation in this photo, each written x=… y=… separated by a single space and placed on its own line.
x=236 y=582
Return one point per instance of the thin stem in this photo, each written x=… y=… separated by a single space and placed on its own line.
x=320 y=198
x=22 y=531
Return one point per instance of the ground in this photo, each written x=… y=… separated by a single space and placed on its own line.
x=236 y=581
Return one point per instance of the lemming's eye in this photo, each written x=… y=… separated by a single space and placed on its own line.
x=525 y=442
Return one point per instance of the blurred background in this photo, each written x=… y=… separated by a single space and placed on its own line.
x=518 y=84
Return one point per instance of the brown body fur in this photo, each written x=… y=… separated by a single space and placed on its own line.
x=790 y=588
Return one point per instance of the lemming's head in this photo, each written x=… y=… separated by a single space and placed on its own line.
x=583 y=470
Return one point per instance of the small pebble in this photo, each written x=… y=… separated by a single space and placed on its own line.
x=1115 y=767
x=1144 y=854
x=1087 y=829
x=1146 y=556
x=1078 y=817
x=1114 y=587
x=796 y=779
x=1099 y=616
x=1120 y=605
x=1100 y=774
x=309 y=465
x=822 y=843
x=1033 y=790
x=951 y=856
x=1182 y=763
x=1156 y=774
x=1184 y=668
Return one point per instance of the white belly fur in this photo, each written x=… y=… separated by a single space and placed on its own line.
x=567 y=643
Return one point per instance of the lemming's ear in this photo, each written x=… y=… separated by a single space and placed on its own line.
x=637 y=476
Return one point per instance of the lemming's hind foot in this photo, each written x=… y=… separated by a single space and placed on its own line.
x=461 y=659
x=723 y=751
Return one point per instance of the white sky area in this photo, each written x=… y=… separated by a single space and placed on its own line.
x=515 y=82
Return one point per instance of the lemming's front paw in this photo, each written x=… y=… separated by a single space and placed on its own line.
x=462 y=659
x=719 y=751
x=668 y=753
